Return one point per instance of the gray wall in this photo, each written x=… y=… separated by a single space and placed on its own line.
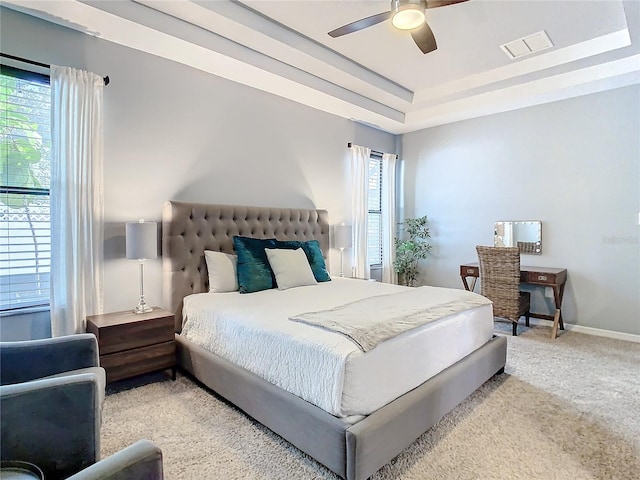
x=573 y=164
x=173 y=132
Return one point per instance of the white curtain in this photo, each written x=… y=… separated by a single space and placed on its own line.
x=360 y=209
x=389 y=162
x=76 y=198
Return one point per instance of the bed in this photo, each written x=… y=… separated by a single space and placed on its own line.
x=351 y=439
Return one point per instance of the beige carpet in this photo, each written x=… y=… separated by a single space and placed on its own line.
x=564 y=409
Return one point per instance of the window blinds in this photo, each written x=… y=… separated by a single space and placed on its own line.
x=25 y=171
x=374 y=222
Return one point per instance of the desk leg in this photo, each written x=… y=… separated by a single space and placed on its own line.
x=557 y=317
x=466 y=285
x=558 y=300
x=556 y=322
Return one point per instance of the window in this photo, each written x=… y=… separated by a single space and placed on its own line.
x=374 y=220
x=25 y=172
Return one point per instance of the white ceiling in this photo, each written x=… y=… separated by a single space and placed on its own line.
x=378 y=76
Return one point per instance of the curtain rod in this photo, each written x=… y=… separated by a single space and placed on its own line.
x=39 y=64
x=372 y=151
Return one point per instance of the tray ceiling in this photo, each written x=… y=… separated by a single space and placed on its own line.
x=378 y=76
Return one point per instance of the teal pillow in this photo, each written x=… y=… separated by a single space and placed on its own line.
x=288 y=244
x=314 y=256
x=316 y=260
x=254 y=272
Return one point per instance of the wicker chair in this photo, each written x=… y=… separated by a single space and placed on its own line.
x=500 y=283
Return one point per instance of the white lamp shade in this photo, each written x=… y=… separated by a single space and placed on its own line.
x=342 y=235
x=142 y=240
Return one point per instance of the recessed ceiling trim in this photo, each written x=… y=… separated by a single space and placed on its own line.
x=260 y=73
x=195 y=36
x=205 y=20
x=549 y=89
x=245 y=15
x=560 y=56
x=226 y=17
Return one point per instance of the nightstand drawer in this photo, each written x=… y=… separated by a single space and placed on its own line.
x=140 y=360
x=125 y=336
x=542 y=278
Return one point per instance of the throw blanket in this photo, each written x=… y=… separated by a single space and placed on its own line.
x=371 y=321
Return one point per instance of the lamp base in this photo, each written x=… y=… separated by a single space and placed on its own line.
x=142 y=307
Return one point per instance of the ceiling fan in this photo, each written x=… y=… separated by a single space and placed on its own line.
x=404 y=15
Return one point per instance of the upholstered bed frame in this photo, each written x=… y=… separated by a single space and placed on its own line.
x=354 y=451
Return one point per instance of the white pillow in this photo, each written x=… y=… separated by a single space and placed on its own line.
x=222 y=269
x=290 y=267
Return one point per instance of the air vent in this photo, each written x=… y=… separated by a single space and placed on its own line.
x=527 y=45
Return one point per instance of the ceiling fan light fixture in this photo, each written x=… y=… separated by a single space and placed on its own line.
x=407 y=16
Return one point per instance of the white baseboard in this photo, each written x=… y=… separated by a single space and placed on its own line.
x=599 y=332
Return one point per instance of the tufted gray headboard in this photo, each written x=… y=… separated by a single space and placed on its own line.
x=188 y=229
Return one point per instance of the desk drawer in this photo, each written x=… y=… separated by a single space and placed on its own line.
x=541 y=278
x=469 y=271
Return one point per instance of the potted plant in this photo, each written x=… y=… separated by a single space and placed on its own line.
x=412 y=248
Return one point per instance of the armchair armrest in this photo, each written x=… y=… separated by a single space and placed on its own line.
x=53 y=423
x=140 y=461
x=32 y=359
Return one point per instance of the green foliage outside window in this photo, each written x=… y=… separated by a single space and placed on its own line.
x=21 y=144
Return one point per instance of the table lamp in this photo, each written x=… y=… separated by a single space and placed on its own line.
x=341 y=240
x=142 y=244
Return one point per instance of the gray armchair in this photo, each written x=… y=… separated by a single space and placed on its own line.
x=140 y=461
x=51 y=396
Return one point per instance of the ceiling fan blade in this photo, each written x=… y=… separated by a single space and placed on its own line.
x=360 y=24
x=442 y=3
x=423 y=36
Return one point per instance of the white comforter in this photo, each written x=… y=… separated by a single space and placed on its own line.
x=254 y=332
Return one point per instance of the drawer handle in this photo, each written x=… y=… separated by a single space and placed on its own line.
x=470 y=270
x=542 y=278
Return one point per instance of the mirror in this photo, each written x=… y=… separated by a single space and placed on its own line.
x=527 y=235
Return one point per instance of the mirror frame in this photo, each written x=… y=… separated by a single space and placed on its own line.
x=529 y=246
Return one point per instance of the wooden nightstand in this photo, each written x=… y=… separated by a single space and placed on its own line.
x=131 y=344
